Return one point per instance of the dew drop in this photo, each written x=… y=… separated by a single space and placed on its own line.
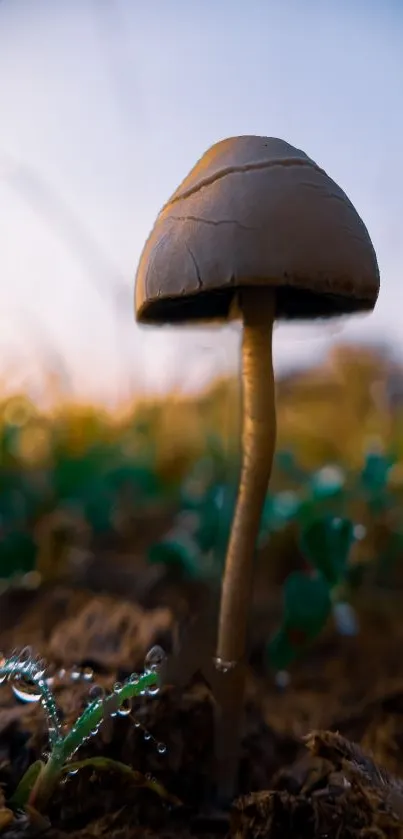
x=152 y=690
x=224 y=666
x=117 y=687
x=40 y=669
x=154 y=660
x=73 y=772
x=25 y=654
x=96 y=692
x=75 y=674
x=147 y=735
x=137 y=724
x=25 y=693
x=87 y=674
x=161 y=748
x=125 y=708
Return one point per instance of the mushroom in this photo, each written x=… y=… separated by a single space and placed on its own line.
x=256 y=231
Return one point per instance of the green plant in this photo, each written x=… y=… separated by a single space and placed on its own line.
x=41 y=779
x=309 y=597
x=196 y=543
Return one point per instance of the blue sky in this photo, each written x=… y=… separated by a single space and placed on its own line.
x=106 y=104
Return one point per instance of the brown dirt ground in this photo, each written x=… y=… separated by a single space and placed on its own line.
x=321 y=758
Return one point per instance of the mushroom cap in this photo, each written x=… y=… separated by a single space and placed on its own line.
x=255 y=211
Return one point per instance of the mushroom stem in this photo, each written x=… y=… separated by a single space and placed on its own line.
x=258 y=442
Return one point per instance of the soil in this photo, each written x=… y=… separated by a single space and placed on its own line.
x=321 y=756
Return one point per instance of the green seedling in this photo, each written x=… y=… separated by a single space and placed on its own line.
x=373 y=480
x=27 y=676
x=195 y=546
x=310 y=598
x=93 y=484
x=278 y=511
x=307 y=606
x=326 y=543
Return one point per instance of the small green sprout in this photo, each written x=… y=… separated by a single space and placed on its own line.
x=310 y=598
x=27 y=676
x=195 y=546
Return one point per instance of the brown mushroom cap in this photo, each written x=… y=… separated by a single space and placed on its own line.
x=255 y=211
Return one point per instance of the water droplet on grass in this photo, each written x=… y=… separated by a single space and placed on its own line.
x=75 y=674
x=125 y=709
x=154 y=660
x=161 y=748
x=40 y=669
x=96 y=692
x=152 y=690
x=25 y=654
x=87 y=674
x=224 y=666
x=25 y=692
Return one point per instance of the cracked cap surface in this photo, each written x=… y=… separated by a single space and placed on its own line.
x=255 y=211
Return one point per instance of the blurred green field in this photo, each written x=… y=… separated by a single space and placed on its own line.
x=77 y=478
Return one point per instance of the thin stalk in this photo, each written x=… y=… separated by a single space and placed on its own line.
x=258 y=443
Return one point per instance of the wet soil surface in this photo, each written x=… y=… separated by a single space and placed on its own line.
x=321 y=757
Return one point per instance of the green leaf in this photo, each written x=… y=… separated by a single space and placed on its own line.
x=307 y=604
x=107 y=764
x=180 y=550
x=278 y=510
x=374 y=475
x=307 y=607
x=21 y=796
x=216 y=512
x=326 y=544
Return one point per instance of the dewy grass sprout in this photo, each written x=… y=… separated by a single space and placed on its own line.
x=23 y=669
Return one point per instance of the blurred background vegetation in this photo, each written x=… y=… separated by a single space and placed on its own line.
x=77 y=480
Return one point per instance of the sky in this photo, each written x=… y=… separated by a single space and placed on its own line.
x=105 y=106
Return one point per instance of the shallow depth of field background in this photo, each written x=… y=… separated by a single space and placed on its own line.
x=105 y=107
